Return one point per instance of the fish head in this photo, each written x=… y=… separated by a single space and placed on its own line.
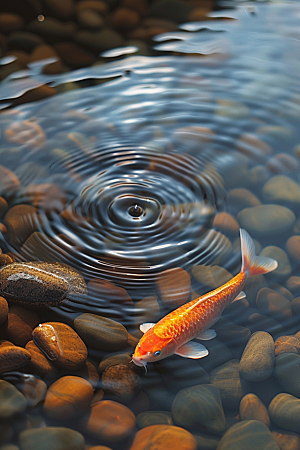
x=153 y=348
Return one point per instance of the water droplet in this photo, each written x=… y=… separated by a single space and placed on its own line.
x=135 y=211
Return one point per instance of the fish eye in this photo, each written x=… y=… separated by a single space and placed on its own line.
x=157 y=353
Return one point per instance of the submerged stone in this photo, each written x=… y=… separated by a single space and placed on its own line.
x=51 y=438
x=40 y=283
x=258 y=358
x=284 y=411
x=163 y=436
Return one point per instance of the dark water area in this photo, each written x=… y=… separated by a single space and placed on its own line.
x=154 y=163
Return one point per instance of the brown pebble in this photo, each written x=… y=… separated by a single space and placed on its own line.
x=39 y=364
x=120 y=381
x=89 y=372
x=163 y=437
x=68 y=397
x=13 y=358
x=20 y=324
x=3 y=309
x=5 y=259
x=124 y=18
x=293 y=247
x=3 y=206
x=108 y=293
x=10 y=22
x=21 y=221
x=26 y=132
x=283 y=163
x=61 y=344
x=174 y=286
x=287 y=344
x=252 y=408
x=226 y=223
x=33 y=389
x=286 y=440
x=272 y=303
x=113 y=360
x=110 y=421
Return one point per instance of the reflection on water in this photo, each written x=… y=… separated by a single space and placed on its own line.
x=157 y=168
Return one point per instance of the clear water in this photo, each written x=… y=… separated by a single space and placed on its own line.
x=141 y=162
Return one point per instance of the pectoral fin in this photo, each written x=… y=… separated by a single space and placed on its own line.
x=192 y=350
x=146 y=326
x=207 y=335
x=239 y=297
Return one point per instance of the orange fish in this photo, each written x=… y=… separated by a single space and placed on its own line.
x=173 y=334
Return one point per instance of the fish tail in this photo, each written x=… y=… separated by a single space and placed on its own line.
x=252 y=264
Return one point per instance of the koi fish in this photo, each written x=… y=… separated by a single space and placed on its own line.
x=173 y=334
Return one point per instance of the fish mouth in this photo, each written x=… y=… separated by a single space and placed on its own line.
x=139 y=362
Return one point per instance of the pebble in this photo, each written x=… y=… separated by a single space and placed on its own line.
x=40 y=283
x=147 y=310
x=23 y=40
x=226 y=223
x=284 y=411
x=296 y=305
x=148 y=418
x=3 y=206
x=124 y=18
x=120 y=381
x=63 y=10
x=157 y=437
x=287 y=344
x=12 y=402
x=174 y=286
x=90 y=19
x=258 y=358
x=61 y=344
x=110 y=421
x=20 y=323
x=33 y=389
x=231 y=386
x=206 y=441
x=293 y=284
x=51 y=438
x=52 y=29
x=9 y=182
x=67 y=398
x=3 y=310
x=10 y=22
x=283 y=163
x=20 y=222
x=284 y=266
x=272 y=303
x=113 y=360
x=108 y=293
x=252 y=408
x=234 y=336
x=100 y=332
x=286 y=440
x=211 y=276
x=73 y=55
x=13 y=358
x=101 y=40
x=199 y=407
x=27 y=133
x=247 y=435
x=89 y=372
x=250 y=145
x=43 y=52
x=95 y=5
x=241 y=198
x=287 y=372
x=282 y=190
x=293 y=247
x=266 y=220
x=39 y=364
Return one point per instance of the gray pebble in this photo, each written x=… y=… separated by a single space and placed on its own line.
x=12 y=402
x=258 y=358
x=51 y=438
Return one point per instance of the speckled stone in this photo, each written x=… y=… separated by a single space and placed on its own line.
x=258 y=358
x=282 y=190
x=284 y=411
x=174 y=286
x=231 y=386
x=12 y=402
x=113 y=360
x=13 y=358
x=284 y=265
x=100 y=332
x=287 y=344
x=51 y=438
x=274 y=304
x=199 y=406
x=67 y=398
x=109 y=421
x=40 y=283
x=148 y=418
x=252 y=408
x=120 y=381
x=61 y=344
x=287 y=372
x=248 y=435
x=266 y=220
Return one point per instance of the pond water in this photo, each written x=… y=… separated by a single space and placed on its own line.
x=156 y=166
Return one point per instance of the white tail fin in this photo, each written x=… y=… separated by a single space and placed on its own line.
x=252 y=264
